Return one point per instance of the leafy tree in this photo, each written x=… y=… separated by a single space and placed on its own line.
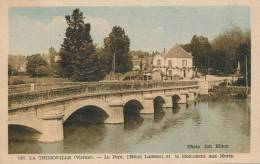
x=35 y=64
x=200 y=49
x=187 y=47
x=217 y=61
x=42 y=71
x=223 y=54
x=228 y=42
x=117 y=43
x=11 y=70
x=78 y=57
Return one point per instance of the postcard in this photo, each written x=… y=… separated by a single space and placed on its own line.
x=130 y=81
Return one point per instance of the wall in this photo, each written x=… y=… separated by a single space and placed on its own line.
x=156 y=75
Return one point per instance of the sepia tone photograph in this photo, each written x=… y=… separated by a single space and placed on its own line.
x=129 y=79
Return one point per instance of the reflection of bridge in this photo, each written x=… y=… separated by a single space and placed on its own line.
x=45 y=111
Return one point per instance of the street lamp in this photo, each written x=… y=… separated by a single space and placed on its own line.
x=246 y=78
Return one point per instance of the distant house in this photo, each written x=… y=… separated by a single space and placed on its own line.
x=176 y=63
x=51 y=58
x=136 y=60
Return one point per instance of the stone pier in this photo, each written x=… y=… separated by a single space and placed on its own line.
x=147 y=104
x=183 y=99
x=168 y=102
x=191 y=97
x=116 y=112
x=52 y=128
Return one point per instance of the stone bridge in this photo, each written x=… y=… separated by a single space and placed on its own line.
x=45 y=111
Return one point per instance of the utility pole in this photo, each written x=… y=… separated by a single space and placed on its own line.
x=246 y=78
x=114 y=66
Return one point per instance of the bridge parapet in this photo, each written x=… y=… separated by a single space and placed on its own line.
x=20 y=88
x=38 y=97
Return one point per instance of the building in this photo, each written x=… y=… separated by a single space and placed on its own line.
x=175 y=64
x=51 y=57
x=137 y=62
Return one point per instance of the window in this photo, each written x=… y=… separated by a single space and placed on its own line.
x=170 y=72
x=169 y=63
x=159 y=62
x=184 y=63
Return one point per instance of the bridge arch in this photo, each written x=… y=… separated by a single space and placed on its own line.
x=131 y=114
x=23 y=132
x=175 y=99
x=158 y=102
x=88 y=113
x=27 y=123
x=72 y=108
x=132 y=106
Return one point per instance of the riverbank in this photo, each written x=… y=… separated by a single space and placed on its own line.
x=225 y=93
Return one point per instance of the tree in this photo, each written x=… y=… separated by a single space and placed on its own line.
x=222 y=55
x=117 y=43
x=228 y=42
x=78 y=57
x=11 y=70
x=42 y=71
x=200 y=49
x=217 y=61
x=35 y=64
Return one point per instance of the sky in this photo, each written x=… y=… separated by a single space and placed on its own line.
x=36 y=29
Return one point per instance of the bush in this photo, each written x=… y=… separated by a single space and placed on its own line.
x=42 y=71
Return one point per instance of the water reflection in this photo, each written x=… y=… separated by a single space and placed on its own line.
x=158 y=109
x=28 y=147
x=133 y=122
x=176 y=108
x=168 y=130
x=132 y=118
x=158 y=115
x=83 y=137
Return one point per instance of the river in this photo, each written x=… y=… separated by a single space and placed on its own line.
x=183 y=129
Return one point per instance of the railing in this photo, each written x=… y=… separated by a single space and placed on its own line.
x=26 y=98
x=213 y=83
x=39 y=86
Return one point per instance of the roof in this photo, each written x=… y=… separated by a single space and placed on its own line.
x=160 y=71
x=178 y=52
x=132 y=74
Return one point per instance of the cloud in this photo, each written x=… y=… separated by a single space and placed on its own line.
x=159 y=28
x=100 y=28
x=27 y=36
